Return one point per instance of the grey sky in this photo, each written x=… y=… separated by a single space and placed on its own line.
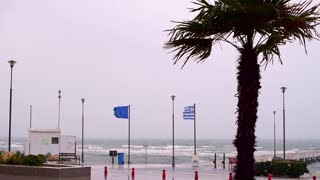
x=110 y=53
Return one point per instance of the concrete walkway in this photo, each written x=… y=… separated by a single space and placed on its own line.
x=153 y=172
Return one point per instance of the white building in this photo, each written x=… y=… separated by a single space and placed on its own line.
x=44 y=141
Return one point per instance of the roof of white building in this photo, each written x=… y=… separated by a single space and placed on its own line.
x=45 y=130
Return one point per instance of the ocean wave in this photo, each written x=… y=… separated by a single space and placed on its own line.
x=133 y=146
x=161 y=152
x=293 y=150
x=206 y=146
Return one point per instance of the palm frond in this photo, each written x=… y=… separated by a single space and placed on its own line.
x=295 y=22
x=213 y=23
x=270 y=48
x=300 y=22
x=199 y=49
x=275 y=22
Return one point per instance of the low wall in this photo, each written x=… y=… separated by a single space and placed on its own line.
x=15 y=172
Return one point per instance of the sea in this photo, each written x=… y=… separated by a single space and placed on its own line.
x=159 y=151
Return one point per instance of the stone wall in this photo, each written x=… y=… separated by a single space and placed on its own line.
x=12 y=172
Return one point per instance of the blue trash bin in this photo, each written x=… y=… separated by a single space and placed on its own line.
x=121 y=158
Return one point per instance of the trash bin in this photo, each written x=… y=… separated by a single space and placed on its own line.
x=120 y=158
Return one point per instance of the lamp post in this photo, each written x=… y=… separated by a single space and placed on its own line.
x=173 y=159
x=59 y=100
x=30 y=116
x=11 y=63
x=284 y=124
x=59 y=97
x=82 y=155
x=274 y=135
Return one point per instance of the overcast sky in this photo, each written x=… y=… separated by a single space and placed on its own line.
x=111 y=53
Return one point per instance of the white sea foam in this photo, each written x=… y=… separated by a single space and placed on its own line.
x=161 y=152
x=180 y=150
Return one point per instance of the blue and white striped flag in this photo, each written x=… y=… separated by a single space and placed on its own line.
x=188 y=113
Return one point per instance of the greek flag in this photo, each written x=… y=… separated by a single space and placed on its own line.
x=188 y=113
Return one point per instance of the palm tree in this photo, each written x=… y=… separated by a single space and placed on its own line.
x=253 y=27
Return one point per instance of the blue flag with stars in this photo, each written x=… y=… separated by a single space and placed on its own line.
x=121 y=112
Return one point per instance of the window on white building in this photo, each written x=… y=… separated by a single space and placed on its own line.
x=54 y=140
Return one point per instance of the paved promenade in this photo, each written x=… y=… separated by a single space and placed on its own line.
x=153 y=172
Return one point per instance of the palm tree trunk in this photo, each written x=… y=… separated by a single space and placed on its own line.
x=248 y=77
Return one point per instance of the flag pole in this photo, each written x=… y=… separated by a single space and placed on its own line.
x=194 y=130
x=129 y=135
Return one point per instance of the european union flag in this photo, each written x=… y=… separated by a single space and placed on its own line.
x=121 y=112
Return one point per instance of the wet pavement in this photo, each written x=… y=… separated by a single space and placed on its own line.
x=153 y=172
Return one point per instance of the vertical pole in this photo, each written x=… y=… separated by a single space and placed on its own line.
x=173 y=158
x=59 y=97
x=30 y=116
x=59 y=103
x=284 y=124
x=224 y=160
x=284 y=131
x=75 y=152
x=10 y=111
x=29 y=149
x=146 y=153
x=274 y=134
x=215 y=160
x=129 y=134
x=82 y=155
x=194 y=131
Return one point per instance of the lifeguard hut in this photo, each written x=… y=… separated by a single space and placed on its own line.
x=44 y=141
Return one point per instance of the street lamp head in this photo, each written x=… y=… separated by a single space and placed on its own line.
x=59 y=94
x=82 y=100
x=283 y=89
x=274 y=112
x=11 y=63
x=172 y=97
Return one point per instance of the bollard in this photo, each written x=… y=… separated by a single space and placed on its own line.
x=230 y=176
x=163 y=174
x=132 y=173
x=105 y=171
x=196 y=177
x=314 y=178
x=269 y=176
